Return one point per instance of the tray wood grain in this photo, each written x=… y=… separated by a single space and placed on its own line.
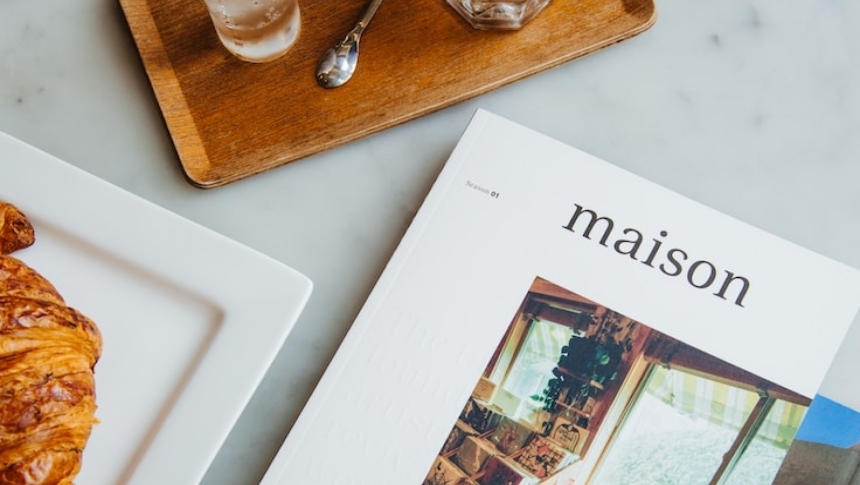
x=230 y=119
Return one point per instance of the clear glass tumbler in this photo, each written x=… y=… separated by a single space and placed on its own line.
x=498 y=14
x=256 y=30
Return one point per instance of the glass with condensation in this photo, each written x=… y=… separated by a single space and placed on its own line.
x=256 y=30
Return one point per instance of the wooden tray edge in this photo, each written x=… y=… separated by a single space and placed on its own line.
x=165 y=85
x=190 y=148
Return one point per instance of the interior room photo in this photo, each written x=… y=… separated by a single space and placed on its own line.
x=577 y=393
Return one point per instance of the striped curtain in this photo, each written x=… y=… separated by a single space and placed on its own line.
x=782 y=423
x=723 y=404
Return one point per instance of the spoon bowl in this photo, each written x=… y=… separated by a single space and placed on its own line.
x=338 y=63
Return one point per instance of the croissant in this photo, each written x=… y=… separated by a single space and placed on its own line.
x=48 y=352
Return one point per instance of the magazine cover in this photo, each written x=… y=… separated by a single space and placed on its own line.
x=549 y=318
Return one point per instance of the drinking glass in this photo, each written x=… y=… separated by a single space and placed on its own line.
x=256 y=30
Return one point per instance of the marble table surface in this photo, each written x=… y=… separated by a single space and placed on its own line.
x=749 y=106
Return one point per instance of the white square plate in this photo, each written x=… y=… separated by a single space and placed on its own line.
x=191 y=320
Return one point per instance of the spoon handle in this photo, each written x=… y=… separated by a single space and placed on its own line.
x=366 y=15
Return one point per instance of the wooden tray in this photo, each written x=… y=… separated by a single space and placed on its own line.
x=231 y=119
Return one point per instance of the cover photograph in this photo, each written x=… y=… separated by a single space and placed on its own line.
x=570 y=367
x=549 y=318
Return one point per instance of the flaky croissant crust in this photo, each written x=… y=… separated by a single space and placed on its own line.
x=16 y=232
x=47 y=355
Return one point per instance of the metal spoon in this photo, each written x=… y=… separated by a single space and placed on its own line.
x=338 y=63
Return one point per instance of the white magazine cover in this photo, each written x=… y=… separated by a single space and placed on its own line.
x=550 y=318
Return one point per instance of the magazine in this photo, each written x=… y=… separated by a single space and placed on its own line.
x=549 y=318
x=826 y=448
